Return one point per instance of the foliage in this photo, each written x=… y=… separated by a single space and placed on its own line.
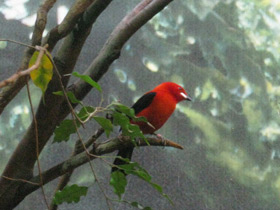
x=68 y=127
x=70 y=96
x=121 y=116
x=88 y=80
x=226 y=54
x=105 y=124
x=119 y=182
x=70 y=194
x=118 y=179
x=43 y=74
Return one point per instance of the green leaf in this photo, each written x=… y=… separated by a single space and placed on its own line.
x=139 y=119
x=124 y=109
x=70 y=95
x=70 y=194
x=58 y=93
x=67 y=127
x=64 y=130
x=122 y=116
x=121 y=120
x=143 y=174
x=85 y=112
x=135 y=204
x=134 y=132
x=43 y=74
x=139 y=206
x=105 y=124
x=87 y=79
x=118 y=181
x=127 y=160
x=135 y=169
x=157 y=187
x=129 y=112
x=128 y=129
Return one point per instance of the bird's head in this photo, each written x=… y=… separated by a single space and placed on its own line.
x=175 y=90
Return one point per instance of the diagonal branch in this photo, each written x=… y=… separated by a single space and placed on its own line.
x=50 y=115
x=68 y=23
x=47 y=116
x=111 y=50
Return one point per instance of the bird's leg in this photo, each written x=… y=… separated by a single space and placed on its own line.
x=120 y=137
x=164 y=142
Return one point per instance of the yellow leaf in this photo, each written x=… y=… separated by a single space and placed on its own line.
x=43 y=74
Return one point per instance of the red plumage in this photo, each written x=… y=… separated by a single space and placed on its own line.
x=163 y=104
x=156 y=106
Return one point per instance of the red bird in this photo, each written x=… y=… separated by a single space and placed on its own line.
x=156 y=106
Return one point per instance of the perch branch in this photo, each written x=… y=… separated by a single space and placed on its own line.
x=98 y=150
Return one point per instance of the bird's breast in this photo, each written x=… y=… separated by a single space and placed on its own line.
x=157 y=113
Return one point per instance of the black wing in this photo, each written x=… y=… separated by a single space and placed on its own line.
x=143 y=102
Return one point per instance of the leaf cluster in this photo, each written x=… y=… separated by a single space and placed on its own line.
x=118 y=115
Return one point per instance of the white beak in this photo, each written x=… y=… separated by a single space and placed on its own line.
x=185 y=96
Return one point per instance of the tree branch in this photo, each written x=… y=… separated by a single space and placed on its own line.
x=111 y=50
x=68 y=23
x=8 y=93
x=56 y=109
x=57 y=33
x=82 y=158
x=78 y=149
x=47 y=116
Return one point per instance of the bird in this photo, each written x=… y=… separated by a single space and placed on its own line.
x=156 y=106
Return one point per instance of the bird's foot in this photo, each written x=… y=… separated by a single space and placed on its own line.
x=120 y=138
x=163 y=140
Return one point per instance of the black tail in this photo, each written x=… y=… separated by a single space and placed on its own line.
x=124 y=153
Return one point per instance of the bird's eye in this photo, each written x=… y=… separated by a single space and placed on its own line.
x=179 y=88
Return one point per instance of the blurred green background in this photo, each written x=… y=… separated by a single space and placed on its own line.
x=226 y=55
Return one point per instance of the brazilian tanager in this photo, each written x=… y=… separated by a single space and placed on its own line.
x=156 y=106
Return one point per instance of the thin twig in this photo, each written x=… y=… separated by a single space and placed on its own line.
x=20 y=180
x=89 y=159
x=100 y=68
x=17 y=42
x=37 y=144
x=8 y=93
x=78 y=149
x=94 y=113
x=64 y=91
x=100 y=187
x=19 y=74
x=74 y=116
